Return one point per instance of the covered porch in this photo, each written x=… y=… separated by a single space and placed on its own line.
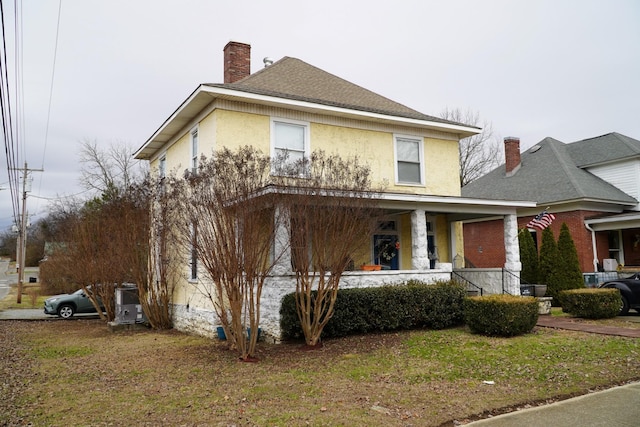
x=616 y=241
x=418 y=238
x=419 y=234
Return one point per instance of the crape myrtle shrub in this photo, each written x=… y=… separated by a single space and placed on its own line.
x=501 y=315
x=591 y=303
x=410 y=305
x=54 y=280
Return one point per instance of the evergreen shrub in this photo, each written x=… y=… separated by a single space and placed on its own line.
x=591 y=303
x=501 y=315
x=410 y=305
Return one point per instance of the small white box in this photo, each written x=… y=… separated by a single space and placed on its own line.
x=609 y=264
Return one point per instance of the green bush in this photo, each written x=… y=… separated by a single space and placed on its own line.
x=528 y=257
x=407 y=306
x=501 y=315
x=591 y=303
x=570 y=275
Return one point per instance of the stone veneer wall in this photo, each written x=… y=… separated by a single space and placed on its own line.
x=204 y=322
x=489 y=279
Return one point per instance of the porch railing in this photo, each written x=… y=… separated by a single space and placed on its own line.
x=470 y=285
x=523 y=283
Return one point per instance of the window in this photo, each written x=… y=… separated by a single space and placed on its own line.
x=289 y=140
x=408 y=160
x=193 y=255
x=194 y=150
x=162 y=167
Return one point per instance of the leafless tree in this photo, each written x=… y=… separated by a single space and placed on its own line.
x=87 y=255
x=110 y=169
x=230 y=221
x=152 y=251
x=479 y=153
x=332 y=211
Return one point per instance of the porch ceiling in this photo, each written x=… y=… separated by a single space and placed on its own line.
x=615 y=222
x=457 y=208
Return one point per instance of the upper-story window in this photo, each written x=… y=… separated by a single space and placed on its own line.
x=162 y=166
x=409 y=160
x=194 y=150
x=289 y=140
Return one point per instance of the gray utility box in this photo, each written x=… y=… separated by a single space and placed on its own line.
x=128 y=307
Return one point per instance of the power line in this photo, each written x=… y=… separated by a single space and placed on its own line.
x=53 y=74
x=22 y=231
x=7 y=123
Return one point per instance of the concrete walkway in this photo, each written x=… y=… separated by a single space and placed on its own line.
x=580 y=325
x=38 y=314
x=618 y=406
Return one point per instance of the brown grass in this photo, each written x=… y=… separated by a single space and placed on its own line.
x=79 y=373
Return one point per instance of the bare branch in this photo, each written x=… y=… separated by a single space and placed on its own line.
x=480 y=153
x=108 y=170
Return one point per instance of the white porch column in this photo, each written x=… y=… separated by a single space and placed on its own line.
x=419 y=248
x=282 y=242
x=512 y=251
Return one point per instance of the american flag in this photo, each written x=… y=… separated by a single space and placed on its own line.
x=542 y=220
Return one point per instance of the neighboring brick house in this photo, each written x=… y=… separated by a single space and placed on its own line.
x=416 y=155
x=592 y=185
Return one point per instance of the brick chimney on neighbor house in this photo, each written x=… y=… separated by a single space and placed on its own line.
x=511 y=155
x=237 y=61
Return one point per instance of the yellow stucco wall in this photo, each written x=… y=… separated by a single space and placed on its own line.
x=442 y=238
x=234 y=129
x=376 y=148
x=404 y=231
x=372 y=148
x=443 y=167
x=237 y=129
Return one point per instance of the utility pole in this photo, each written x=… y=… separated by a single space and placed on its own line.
x=21 y=253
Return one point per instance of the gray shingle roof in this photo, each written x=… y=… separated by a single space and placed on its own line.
x=602 y=149
x=292 y=78
x=550 y=172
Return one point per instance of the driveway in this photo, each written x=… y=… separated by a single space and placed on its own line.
x=5 y=279
x=38 y=314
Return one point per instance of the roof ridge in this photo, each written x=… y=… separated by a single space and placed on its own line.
x=561 y=155
x=625 y=140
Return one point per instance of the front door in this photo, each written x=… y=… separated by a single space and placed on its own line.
x=386 y=251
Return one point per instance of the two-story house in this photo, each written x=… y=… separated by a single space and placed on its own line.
x=414 y=154
x=592 y=185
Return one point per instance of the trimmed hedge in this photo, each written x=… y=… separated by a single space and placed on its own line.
x=407 y=306
x=591 y=303
x=501 y=315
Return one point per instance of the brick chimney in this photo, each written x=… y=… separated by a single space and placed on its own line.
x=237 y=61
x=511 y=155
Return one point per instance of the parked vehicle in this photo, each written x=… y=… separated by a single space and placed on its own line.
x=67 y=305
x=629 y=290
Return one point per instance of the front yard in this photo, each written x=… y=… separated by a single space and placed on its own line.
x=79 y=373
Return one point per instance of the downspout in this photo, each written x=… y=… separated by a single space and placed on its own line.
x=594 y=248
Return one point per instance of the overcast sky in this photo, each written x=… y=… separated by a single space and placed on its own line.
x=569 y=69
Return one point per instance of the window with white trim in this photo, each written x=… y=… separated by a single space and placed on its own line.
x=409 y=160
x=193 y=256
x=289 y=140
x=194 y=150
x=162 y=167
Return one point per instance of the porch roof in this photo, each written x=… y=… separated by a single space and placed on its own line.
x=615 y=222
x=457 y=208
